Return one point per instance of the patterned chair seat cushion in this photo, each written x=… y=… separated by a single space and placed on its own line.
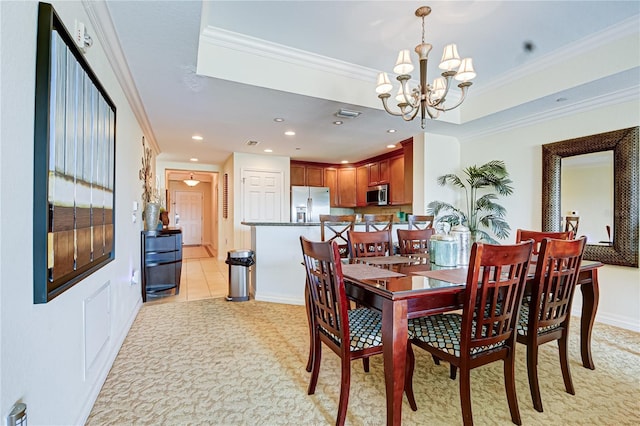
x=523 y=320
x=443 y=332
x=365 y=329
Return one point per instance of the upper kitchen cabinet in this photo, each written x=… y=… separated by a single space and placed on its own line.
x=347 y=187
x=331 y=181
x=396 y=181
x=362 y=184
x=306 y=174
x=379 y=172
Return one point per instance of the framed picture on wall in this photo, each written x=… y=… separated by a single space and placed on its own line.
x=74 y=164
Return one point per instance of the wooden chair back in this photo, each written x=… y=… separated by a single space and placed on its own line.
x=571 y=224
x=495 y=285
x=368 y=244
x=335 y=228
x=420 y=221
x=546 y=311
x=415 y=240
x=538 y=236
x=325 y=283
x=377 y=222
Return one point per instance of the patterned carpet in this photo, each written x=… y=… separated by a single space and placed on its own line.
x=212 y=362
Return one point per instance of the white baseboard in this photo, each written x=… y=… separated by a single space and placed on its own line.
x=279 y=299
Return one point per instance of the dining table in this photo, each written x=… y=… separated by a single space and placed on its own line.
x=411 y=286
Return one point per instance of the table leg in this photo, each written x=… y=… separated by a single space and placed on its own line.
x=394 y=340
x=590 y=295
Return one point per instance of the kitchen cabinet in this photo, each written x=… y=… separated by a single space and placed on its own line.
x=379 y=172
x=396 y=180
x=306 y=174
x=297 y=176
x=362 y=184
x=347 y=187
x=331 y=181
x=161 y=257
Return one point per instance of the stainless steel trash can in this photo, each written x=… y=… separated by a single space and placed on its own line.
x=240 y=263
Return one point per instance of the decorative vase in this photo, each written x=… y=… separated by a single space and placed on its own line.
x=151 y=216
x=164 y=218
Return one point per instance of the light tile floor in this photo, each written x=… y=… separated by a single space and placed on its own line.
x=201 y=278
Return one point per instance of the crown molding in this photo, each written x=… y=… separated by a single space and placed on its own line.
x=279 y=52
x=614 y=98
x=105 y=32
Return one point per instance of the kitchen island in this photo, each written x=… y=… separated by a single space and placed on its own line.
x=278 y=274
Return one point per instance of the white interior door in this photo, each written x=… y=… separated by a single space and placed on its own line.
x=188 y=216
x=262 y=196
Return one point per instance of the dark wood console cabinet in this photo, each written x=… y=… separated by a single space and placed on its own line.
x=161 y=256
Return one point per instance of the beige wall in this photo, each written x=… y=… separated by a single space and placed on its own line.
x=521 y=150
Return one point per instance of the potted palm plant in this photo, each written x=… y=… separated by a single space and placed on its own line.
x=482 y=210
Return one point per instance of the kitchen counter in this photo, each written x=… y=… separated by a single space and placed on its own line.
x=278 y=275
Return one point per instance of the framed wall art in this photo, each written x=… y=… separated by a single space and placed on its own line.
x=74 y=164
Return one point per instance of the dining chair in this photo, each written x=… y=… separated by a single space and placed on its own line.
x=538 y=236
x=350 y=333
x=377 y=222
x=335 y=228
x=414 y=241
x=420 y=221
x=546 y=312
x=368 y=244
x=486 y=330
x=332 y=228
x=571 y=224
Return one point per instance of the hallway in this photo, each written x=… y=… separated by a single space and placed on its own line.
x=203 y=277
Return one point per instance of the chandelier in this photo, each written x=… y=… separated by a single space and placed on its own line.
x=426 y=98
x=191 y=181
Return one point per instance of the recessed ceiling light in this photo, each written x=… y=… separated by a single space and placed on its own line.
x=290 y=133
x=391 y=131
x=193 y=159
x=345 y=161
x=278 y=120
x=268 y=150
x=391 y=145
x=197 y=137
x=337 y=122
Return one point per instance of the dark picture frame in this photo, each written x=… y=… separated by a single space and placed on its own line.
x=74 y=164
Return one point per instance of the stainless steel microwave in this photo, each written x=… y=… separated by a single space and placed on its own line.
x=378 y=195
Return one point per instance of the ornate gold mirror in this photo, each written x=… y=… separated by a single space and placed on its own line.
x=624 y=143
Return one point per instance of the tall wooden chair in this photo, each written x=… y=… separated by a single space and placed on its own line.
x=486 y=330
x=377 y=222
x=350 y=333
x=414 y=241
x=420 y=221
x=571 y=224
x=335 y=228
x=368 y=244
x=538 y=236
x=545 y=313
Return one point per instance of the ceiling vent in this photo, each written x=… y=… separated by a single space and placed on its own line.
x=347 y=113
x=252 y=143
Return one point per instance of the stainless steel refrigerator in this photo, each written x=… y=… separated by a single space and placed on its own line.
x=309 y=202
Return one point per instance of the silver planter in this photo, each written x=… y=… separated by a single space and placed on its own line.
x=151 y=216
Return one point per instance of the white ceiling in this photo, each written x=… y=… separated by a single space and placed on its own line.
x=303 y=60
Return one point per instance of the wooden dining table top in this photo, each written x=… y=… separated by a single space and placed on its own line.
x=409 y=273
